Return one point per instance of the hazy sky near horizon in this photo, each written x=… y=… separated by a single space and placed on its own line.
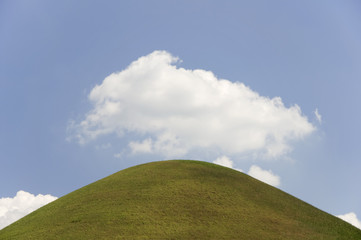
x=88 y=88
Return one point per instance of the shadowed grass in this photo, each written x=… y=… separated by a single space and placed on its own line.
x=179 y=199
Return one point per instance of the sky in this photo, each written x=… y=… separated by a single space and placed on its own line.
x=269 y=88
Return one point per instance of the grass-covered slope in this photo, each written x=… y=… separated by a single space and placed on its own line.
x=179 y=200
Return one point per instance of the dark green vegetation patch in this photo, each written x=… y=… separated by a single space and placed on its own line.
x=179 y=200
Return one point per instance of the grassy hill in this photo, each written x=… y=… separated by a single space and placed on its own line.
x=179 y=200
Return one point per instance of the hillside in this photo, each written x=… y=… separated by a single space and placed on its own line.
x=179 y=200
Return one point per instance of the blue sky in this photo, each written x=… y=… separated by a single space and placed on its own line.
x=53 y=54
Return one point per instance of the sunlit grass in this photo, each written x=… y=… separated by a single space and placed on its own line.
x=179 y=200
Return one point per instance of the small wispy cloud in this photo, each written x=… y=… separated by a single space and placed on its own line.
x=318 y=116
x=145 y=146
x=266 y=176
x=103 y=146
x=224 y=161
x=12 y=209
x=351 y=218
x=118 y=155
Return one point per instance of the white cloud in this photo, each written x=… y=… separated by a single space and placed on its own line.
x=318 y=116
x=103 y=146
x=224 y=161
x=119 y=155
x=255 y=171
x=264 y=176
x=176 y=110
x=351 y=218
x=12 y=209
x=141 y=147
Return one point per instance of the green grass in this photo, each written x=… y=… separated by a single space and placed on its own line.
x=179 y=200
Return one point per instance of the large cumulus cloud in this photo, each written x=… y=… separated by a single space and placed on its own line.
x=175 y=110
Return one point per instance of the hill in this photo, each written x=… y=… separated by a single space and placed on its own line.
x=179 y=199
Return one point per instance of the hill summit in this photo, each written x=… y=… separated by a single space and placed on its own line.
x=179 y=199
